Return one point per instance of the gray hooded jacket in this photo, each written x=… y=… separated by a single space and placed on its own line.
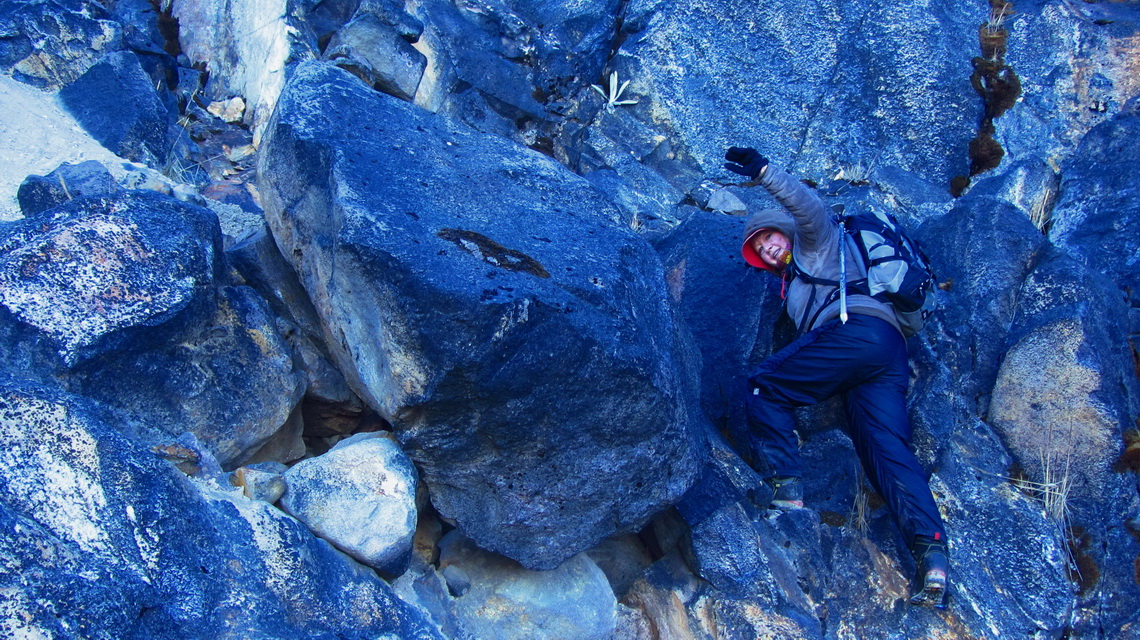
x=815 y=248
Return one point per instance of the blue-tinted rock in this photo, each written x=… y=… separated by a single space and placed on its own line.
x=50 y=44
x=1097 y=217
x=497 y=598
x=97 y=275
x=479 y=64
x=981 y=252
x=1064 y=398
x=230 y=381
x=378 y=54
x=66 y=182
x=1074 y=65
x=102 y=537
x=805 y=86
x=501 y=317
x=360 y=496
x=246 y=49
x=116 y=102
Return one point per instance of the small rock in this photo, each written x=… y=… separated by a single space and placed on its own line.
x=228 y=110
x=495 y=597
x=259 y=485
x=360 y=496
x=724 y=201
x=67 y=182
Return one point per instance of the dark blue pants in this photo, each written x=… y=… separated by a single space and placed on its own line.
x=865 y=360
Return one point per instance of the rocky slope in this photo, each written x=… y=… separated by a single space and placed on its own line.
x=374 y=319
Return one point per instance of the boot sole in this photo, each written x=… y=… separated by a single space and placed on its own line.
x=933 y=592
x=787 y=505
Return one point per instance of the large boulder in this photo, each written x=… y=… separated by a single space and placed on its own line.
x=981 y=251
x=97 y=275
x=729 y=306
x=377 y=53
x=484 y=300
x=804 y=85
x=230 y=381
x=119 y=298
x=116 y=102
x=1066 y=390
x=494 y=597
x=1065 y=397
x=49 y=44
x=102 y=539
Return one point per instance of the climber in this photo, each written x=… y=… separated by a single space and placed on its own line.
x=861 y=355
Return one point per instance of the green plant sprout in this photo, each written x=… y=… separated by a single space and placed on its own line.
x=613 y=98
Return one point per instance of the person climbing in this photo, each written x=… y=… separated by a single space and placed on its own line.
x=852 y=346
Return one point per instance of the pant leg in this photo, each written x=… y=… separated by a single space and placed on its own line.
x=880 y=431
x=825 y=361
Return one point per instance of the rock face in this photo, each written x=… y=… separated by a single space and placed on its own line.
x=361 y=497
x=470 y=314
x=723 y=73
x=245 y=46
x=103 y=539
x=557 y=354
x=1097 y=212
x=1076 y=69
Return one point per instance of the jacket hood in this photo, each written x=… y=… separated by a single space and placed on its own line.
x=777 y=219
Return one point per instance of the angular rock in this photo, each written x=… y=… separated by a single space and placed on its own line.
x=360 y=496
x=497 y=598
x=103 y=537
x=97 y=275
x=50 y=44
x=378 y=54
x=1031 y=186
x=729 y=307
x=808 y=91
x=981 y=252
x=230 y=381
x=572 y=40
x=330 y=406
x=116 y=102
x=678 y=605
x=66 y=182
x=494 y=313
x=477 y=54
x=260 y=484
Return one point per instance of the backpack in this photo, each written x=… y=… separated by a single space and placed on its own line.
x=898 y=272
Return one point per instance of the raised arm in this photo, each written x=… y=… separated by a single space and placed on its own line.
x=814 y=226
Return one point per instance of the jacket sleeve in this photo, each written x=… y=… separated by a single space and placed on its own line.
x=814 y=225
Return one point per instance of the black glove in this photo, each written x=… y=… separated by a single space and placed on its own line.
x=745 y=161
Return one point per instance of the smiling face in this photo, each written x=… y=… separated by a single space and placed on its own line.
x=773 y=247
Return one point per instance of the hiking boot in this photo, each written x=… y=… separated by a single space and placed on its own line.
x=787 y=493
x=933 y=568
